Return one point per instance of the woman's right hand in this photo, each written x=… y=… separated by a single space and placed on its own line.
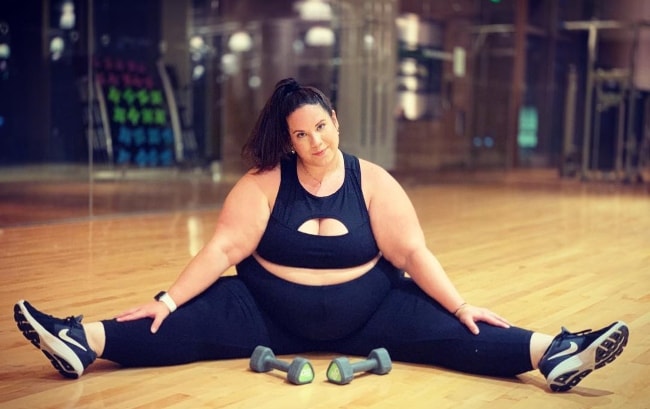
x=156 y=310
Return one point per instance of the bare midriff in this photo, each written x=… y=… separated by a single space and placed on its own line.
x=316 y=276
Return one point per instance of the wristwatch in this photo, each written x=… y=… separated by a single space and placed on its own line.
x=166 y=299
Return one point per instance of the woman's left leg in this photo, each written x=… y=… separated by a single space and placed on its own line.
x=415 y=328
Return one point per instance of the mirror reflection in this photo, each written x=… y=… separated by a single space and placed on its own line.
x=111 y=107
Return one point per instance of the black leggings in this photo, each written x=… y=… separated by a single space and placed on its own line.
x=382 y=308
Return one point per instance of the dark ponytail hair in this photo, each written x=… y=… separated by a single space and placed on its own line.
x=269 y=141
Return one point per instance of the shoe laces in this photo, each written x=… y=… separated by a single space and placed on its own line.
x=73 y=320
x=566 y=332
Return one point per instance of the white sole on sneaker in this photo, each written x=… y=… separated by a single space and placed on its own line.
x=60 y=355
x=601 y=352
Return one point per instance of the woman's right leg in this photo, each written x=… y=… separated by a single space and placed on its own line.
x=96 y=336
x=223 y=322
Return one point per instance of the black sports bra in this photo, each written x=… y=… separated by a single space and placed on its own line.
x=283 y=244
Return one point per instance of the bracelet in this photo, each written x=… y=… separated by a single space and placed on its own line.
x=166 y=299
x=460 y=307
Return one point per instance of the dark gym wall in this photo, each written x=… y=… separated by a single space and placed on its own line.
x=24 y=86
x=40 y=100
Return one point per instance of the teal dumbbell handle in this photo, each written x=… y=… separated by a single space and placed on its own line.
x=277 y=364
x=364 y=366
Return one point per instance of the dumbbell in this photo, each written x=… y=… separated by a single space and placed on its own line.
x=299 y=370
x=341 y=371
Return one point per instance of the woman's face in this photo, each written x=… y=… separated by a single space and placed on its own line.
x=314 y=133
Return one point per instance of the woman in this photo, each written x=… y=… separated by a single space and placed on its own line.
x=320 y=240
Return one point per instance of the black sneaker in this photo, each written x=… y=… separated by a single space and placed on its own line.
x=572 y=356
x=63 y=341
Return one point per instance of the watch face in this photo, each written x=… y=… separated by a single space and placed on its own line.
x=160 y=294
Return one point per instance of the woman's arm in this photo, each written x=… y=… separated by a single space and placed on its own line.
x=239 y=227
x=400 y=238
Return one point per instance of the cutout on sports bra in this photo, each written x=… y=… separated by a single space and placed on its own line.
x=323 y=227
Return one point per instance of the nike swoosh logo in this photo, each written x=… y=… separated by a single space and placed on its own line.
x=573 y=347
x=63 y=334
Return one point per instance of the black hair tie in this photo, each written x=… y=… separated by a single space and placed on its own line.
x=290 y=85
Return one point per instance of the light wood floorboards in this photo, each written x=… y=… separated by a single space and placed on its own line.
x=544 y=256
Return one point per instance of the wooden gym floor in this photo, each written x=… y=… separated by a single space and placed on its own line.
x=544 y=253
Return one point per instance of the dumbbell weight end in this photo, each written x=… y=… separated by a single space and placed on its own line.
x=300 y=371
x=261 y=359
x=340 y=371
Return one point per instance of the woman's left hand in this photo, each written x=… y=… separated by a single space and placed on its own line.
x=470 y=315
